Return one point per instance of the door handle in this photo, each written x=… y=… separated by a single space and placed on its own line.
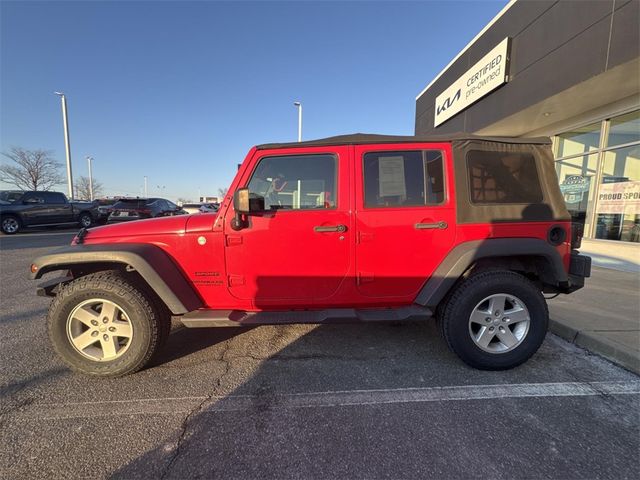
x=333 y=228
x=431 y=226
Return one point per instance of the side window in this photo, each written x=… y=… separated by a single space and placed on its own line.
x=403 y=178
x=33 y=198
x=54 y=198
x=171 y=205
x=502 y=177
x=296 y=182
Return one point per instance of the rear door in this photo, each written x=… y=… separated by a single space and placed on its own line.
x=405 y=218
x=297 y=251
x=59 y=209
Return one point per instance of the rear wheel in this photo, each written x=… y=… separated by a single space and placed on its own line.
x=85 y=220
x=102 y=324
x=495 y=320
x=10 y=224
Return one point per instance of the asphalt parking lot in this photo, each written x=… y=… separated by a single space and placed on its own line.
x=355 y=401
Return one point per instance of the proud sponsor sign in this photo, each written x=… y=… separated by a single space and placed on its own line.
x=619 y=197
x=486 y=75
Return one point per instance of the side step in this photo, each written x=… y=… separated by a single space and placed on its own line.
x=205 y=318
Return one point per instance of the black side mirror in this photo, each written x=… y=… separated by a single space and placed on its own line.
x=245 y=203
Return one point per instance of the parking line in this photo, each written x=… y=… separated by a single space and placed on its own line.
x=329 y=399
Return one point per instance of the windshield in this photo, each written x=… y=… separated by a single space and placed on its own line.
x=10 y=196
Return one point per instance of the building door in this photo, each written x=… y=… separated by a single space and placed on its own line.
x=405 y=219
x=297 y=250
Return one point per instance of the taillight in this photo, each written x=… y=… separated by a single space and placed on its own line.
x=144 y=211
x=577 y=231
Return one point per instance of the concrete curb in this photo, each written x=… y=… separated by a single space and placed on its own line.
x=596 y=343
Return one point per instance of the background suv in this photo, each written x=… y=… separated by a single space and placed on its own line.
x=127 y=209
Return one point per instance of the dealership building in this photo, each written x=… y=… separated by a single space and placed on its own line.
x=565 y=69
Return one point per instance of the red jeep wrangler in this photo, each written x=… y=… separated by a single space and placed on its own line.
x=358 y=227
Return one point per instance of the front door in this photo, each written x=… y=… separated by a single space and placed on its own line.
x=297 y=251
x=405 y=220
x=35 y=210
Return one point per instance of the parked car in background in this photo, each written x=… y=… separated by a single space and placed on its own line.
x=104 y=208
x=191 y=207
x=200 y=207
x=20 y=210
x=209 y=207
x=127 y=209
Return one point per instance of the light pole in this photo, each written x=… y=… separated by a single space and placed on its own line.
x=89 y=160
x=299 y=106
x=146 y=193
x=67 y=144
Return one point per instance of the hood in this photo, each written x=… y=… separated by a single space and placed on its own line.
x=153 y=226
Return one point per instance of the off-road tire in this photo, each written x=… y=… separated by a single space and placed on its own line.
x=12 y=221
x=85 y=220
x=455 y=312
x=149 y=321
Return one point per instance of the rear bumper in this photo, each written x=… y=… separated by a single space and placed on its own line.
x=579 y=269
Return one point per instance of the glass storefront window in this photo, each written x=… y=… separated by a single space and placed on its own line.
x=618 y=208
x=581 y=140
x=624 y=129
x=577 y=181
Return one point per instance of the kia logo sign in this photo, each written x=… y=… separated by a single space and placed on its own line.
x=448 y=102
x=486 y=75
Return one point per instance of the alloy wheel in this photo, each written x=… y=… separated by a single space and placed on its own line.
x=99 y=329
x=10 y=225
x=499 y=323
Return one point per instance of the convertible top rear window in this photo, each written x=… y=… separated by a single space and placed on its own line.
x=503 y=177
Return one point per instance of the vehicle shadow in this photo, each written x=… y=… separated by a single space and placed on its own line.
x=186 y=341
x=253 y=430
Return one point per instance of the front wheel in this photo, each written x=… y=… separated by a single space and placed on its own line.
x=495 y=320
x=10 y=224
x=102 y=324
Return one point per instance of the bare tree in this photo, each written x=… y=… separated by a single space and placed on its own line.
x=83 y=192
x=32 y=169
x=182 y=201
x=222 y=192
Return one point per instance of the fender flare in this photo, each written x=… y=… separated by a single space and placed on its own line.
x=464 y=255
x=153 y=264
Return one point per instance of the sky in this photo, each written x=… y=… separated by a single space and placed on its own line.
x=180 y=91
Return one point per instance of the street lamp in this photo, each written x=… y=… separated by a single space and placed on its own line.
x=146 y=193
x=89 y=160
x=299 y=106
x=67 y=144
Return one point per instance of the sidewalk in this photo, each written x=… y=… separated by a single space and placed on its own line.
x=604 y=316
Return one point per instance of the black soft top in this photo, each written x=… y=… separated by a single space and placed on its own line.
x=367 y=138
